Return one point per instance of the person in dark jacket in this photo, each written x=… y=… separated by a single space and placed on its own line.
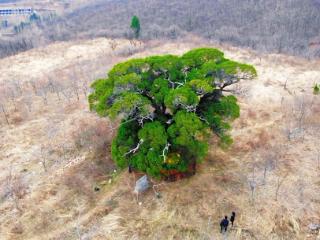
x=224 y=224
x=232 y=218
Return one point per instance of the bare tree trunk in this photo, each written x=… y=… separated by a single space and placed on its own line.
x=265 y=175
x=58 y=94
x=34 y=87
x=77 y=227
x=44 y=96
x=319 y=159
x=253 y=185
x=76 y=89
x=67 y=95
x=279 y=183
x=16 y=189
x=17 y=85
x=13 y=99
x=85 y=89
x=43 y=158
x=285 y=85
x=77 y=93
x=5 y=114
x=28 y=102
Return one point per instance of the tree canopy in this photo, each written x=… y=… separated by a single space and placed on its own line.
x=135 y=26
x=169 y=106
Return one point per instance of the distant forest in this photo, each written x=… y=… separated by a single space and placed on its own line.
x=280 y=26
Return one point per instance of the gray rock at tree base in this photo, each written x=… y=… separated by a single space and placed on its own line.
x=141 y=185
x=314 y=226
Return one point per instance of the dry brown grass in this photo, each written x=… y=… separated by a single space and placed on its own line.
x=62 y=203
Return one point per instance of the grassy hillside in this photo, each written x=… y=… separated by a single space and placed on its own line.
x=54 y=153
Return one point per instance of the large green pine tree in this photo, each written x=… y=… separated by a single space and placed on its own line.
x=169 y=106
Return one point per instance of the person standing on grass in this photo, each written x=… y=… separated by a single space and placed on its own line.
x=224 y=224
x=232 y=218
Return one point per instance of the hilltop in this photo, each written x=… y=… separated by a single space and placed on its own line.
x=58 y=181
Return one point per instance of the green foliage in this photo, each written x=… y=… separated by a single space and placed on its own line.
x=135 y=25
x=169 y=107
x=181 y=98
x=130 y=104
x=154 y=138
x=198 y=57
x=218 y=114
x=201 y=87
x=126 y=138
x=316 y=89
x=189 y=133
x=159 y=89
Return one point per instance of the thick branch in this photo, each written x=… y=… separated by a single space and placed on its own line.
x=134 y=150
x=165 y=151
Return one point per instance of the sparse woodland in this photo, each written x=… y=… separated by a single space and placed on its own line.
x=290 y=27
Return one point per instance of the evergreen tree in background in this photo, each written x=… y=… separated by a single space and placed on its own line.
x=169 y=106
x=135 y=26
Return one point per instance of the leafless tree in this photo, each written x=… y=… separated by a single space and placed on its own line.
x=318 y=159
x=74 y=79
x=279 y=152
x=301 y=186
x=16 y=188
x=75 y=88
x=44 y=156
x=17 y=85
x=270 y=160
x=51 y=85
x=113 y=44
x=252 y=181
x=18 y=191
x=43 y=93
x=296 y=113
x=33 y=86
x=77 y=222
x=28 y=101
x=280 y=181
x=64 y=149
x=299 y=110
x=67 y=93
x=11 y=93
x=55 y=86
x=3 y=110
x=85 y=88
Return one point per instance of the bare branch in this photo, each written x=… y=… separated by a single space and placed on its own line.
x=280 y=181
x=165 y=151
x=4 y=113
x=134 y=150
